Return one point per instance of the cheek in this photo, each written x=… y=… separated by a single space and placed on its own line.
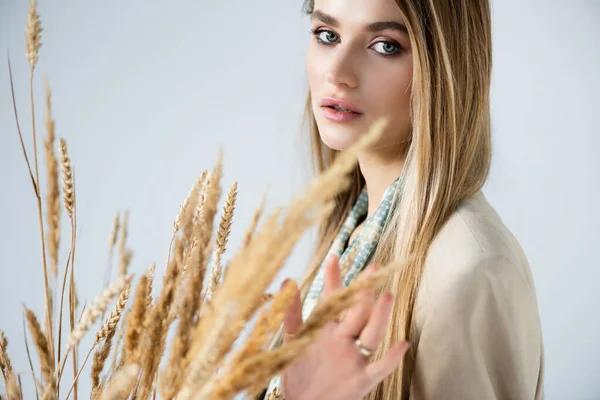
x=393 y=100
x=312 y=68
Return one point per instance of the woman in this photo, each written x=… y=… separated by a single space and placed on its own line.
x=466 y=303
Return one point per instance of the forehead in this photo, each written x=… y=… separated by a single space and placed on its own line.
x=360 y=12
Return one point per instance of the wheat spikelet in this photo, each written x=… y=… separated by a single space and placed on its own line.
x=44 y=354
x=135 y=321
x=197 y=370
x=109 y=327
x=33 y=32
x=267 y=323
x=124 y=261
x=112 y=239
x=157 y=324
x=171 y=379
x=123 y=232
x=150 y=274
x=5 y=363
x=122 y=384
x=53 y=195
x=67 y=177
x=207 y=205
x=221 y=240
x=185 y=213
x=254 y=222
x=12 y=389
x=203 y=365
x=93 y=312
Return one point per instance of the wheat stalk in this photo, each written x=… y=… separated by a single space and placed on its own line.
x=90 y=316
x=122 y=384
x=53 y=195
x=13 y=390
x=44 y=354
x=67 y=177
x=221 y=240
x=33 y=32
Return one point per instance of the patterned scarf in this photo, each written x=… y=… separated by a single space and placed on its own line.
x=353 y=258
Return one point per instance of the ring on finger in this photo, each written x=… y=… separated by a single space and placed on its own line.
x=365 y=351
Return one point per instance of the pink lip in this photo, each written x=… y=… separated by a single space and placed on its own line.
x=339 y=116
x=332 y=101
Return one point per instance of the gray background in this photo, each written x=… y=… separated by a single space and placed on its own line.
x=147 y=91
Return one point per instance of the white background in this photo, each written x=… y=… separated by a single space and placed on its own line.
x=146 y=91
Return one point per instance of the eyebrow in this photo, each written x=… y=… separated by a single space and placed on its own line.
x=372 y=27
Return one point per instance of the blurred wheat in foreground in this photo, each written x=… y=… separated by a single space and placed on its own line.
x=131 y=356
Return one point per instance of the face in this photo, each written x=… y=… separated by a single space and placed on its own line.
x=359 y=67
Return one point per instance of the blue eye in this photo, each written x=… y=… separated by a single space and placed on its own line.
x=325 y=36
x=387 y=48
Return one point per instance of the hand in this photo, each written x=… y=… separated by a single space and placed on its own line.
x=333 y=367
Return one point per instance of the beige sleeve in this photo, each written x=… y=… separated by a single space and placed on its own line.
x=481 y=337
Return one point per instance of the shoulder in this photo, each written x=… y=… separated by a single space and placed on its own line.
x=472 y=254
x=476 y=318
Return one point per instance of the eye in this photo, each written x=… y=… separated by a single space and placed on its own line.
x=325 y=36
x=387 y=48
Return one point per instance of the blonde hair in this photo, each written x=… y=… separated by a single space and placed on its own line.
x=447 y=159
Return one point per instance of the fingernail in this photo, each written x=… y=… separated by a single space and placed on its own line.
x=285 y=282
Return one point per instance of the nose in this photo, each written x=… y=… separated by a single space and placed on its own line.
x=342 y=70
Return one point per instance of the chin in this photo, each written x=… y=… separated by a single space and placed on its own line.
x=337 y=137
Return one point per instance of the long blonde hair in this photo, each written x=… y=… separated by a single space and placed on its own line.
x=447 y=159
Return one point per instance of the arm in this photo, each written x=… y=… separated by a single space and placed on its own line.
x=481 y=337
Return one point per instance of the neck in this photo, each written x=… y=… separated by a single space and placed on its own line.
x=379 y=172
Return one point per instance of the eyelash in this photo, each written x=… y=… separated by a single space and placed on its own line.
x=317 y=32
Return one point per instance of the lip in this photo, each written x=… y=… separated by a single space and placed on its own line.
x=346 y=105
x=340 y=116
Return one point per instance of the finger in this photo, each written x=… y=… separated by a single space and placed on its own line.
x=332 y=279
x=357 y=316
x=380 y=369
x=376 y=327
x=292 y=319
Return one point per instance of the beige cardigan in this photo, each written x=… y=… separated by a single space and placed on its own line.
x=477 y=328
x=478 y=333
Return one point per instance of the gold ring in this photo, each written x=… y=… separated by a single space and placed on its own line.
x=363 y=350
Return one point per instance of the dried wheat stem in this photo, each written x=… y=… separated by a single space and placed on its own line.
x=123 y=233
x=191 y=198
x=150 y=274
x=44 y=354
x=92 y=314
x=67 y=177
x=53 y=195
x=12 y=389
x=122 y=384
x=185 y=218
x=36 y=382
x=33 y=32
x=109 y=327
x=202 y=368
x=172 y=377
x=107 y=333
x=254 y=222
x=112 y=239
x=157 y=324
x=221 y=240
x=266 y=325
x=124 y=261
